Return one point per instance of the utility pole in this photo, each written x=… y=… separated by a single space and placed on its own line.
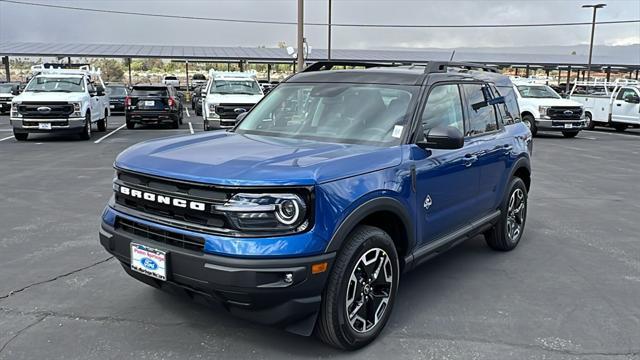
x=593 y=29
x=300 y=59
x=329 y=34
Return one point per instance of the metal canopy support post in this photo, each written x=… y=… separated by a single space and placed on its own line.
x=5 y=61
x=516 y=71
x=129 y=66
x=608 y=73
x=329 y=34
x=546 y=71
x=568 y=79
x=186 y=69
x=300 y=49
x=637 y=70
x=269 y=72
x=526 y=72
x=559 y=75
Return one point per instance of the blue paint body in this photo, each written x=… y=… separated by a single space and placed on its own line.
x=343 y=176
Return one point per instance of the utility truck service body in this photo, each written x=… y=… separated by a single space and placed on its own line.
x=615 y=104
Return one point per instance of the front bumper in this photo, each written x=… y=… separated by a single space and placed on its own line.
x=560 y=125
x=59 y=125
x=5 y=106
x=251 y=288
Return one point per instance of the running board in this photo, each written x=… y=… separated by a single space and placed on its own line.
x=450 y=240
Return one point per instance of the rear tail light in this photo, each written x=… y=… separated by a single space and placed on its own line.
x=172 y=102
x=127 y=101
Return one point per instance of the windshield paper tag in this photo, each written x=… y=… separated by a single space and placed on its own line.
x=397 y=131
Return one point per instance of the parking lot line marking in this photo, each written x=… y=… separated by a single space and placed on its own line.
x=109 y=134
x=191 y=127
x=611 y=133
x=7 y=138
x=187 y=110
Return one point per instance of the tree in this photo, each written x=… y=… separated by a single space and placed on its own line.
x=112 y=70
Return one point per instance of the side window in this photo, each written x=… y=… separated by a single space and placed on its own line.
x=624 y=93
x=90 y=87
x=443 y=108
x=482 y=118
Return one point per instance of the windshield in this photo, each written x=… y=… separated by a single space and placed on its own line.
x=246 y=87
x=170 y=78
x=5 y=88
x=538 y=91
x=340 y=113
x=55 y=84
x=116 y=90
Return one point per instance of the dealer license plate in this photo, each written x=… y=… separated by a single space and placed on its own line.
x=568 y=126
x=149 y=103
x=149 y=261
x=112 y=106
x=44 y=126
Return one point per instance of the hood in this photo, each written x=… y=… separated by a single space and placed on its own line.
x=224 y=158
x=233 y=99
x=551 y=102
x=49 y=96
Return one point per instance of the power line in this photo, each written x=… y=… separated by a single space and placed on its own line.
x=268 y=22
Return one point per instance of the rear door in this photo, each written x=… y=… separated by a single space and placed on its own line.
x=625 y=107
x=492 y=145
x=446 y=180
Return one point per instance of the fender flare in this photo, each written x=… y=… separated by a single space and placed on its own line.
x=522 y=162
x=367 y=208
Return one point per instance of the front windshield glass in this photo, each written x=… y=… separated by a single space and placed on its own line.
x=340 y=113
x=245 y=87
x=5 y=88
x=55 y=84
x=116 y=90
x=537 y=91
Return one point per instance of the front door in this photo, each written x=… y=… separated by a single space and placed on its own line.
x=625 y=108
x=446 y=180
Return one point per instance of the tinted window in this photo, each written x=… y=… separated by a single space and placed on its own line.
x=443 y=108
x=510 y=112
x=170 y=78
x=624 y=93
x=149 y=91
x=116 y=90
x=482 y=118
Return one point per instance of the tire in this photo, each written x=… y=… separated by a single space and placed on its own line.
x=334 y=327
x=205 y=125
x=102 y=124
x=590 y=124
x=20 y=136
x=198 y=111
x=176 y=123
x=530 y=121
x=181 y=116
x=499 y=237
x=85 y=133
x=619 y=127
x=570 y=134
x=130 y=125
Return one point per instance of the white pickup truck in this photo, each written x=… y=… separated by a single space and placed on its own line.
x=227 y=95
x=59 y=100
x=615 y=104
x=543 y=109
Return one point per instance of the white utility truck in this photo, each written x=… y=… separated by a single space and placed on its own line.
x=615 y=104
x=60 y=100
x=227 y=95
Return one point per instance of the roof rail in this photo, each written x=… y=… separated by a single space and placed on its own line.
x=603 y=82
x=442 y=66
x=328 y=65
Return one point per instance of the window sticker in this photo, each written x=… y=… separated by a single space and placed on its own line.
x=397 y=131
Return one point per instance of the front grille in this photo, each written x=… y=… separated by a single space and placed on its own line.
x=208 y=195
x=55 y=110
x=565 y=112
x=228 y=111
x=53 y=123
x=162 y=236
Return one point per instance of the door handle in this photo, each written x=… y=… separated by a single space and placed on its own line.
x=618 y=104
x=469 y=159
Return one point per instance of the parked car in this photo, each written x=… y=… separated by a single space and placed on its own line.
x=171 y=80
x=543 y=109
x=7 y=91
x=64 y=101
x=153 y=104
x=198 y=80
x=307 y=212
x=226 y=95
x=615 y=104
x=117 y=95
x=196 y=100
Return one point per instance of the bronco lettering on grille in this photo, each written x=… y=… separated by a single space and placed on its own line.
x=161 y=199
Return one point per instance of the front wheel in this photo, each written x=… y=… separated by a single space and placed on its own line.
x=85 y=134
x=590 y=124
x=530 y=121
x=20 y=136
x=102 y=124
x=506 y=234
x=360 y=291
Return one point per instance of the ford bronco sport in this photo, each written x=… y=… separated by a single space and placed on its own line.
x=306 y=213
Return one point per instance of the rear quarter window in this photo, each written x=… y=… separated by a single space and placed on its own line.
x=510 y=110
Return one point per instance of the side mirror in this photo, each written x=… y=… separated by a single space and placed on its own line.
x=442 y=137
x=15 y=90
x=241 y=116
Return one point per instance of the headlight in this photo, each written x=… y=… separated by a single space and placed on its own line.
x=266 y=212
x=77 y=109
x=212 y=108
x=543 y=110
x=14 y=110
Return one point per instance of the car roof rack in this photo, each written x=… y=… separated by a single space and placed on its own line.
x=429 y=67
x=443 y=66
x=328 y=65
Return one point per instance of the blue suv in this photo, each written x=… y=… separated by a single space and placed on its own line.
x=307 y=212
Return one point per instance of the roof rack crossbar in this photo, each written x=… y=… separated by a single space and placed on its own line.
x=441 y=66
x=328 y=65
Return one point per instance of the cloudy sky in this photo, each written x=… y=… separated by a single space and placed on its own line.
x=28 y=23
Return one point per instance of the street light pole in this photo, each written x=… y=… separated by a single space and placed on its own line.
x=329 y=34
x=593 y=29
x=300 y=59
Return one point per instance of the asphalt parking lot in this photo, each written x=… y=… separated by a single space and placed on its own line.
x=571 y=290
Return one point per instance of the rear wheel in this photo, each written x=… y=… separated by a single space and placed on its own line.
x=507 y=232
x=530 y=121
x=620 y=127
x=130 y=125
x=176 y=123
x=360 y=291
x=102 y=124
x=590 y=124
x=20 y=136
x=85 y=133
x=570 y=134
